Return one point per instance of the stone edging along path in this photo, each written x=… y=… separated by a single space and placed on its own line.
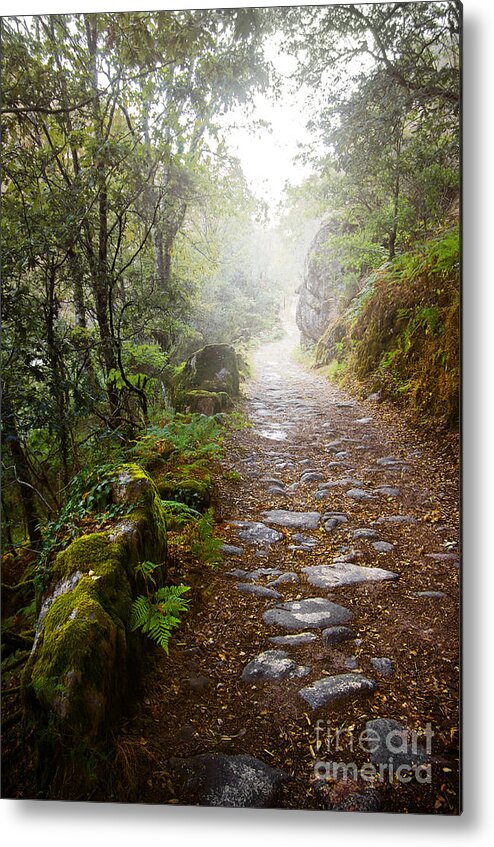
x=335 y=609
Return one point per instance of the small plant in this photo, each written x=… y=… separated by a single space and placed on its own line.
x=157 y=614
x=203 y=544
x=233 y=476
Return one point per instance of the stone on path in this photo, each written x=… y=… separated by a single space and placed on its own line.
x=311 y=476
x=390 y=462
x=360 y=494
x=285 y=579
x=387 y=491
x=331 y=689
x=336 y=634
x=392 y=741
x=383 y=665
x=231 y=550
x=363 y=533
x=213 y=779
x=314 y=613
x=332 y=520
x=292 y=520
x=343 y=482
x=273 y=664
x=432 y=594
x=258 y=590
x=305 y=540
x=383 y=546
x=275 y=489
x=253 y=576
x=254 y=532
x=442 y=557
x=396 y=519
x=294 y=640
x=344 y=573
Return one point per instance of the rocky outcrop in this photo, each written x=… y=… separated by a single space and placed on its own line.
x=321 y=287
x=85 y=660
x=208 y=380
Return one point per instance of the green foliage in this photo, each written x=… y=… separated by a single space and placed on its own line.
x=233 y=476
x=401 y=332
x=203 y=544
x=185 y=436
x=89 y=494
x=159 y=615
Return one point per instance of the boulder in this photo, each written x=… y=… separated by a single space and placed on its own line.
x=318 y=295
x=207 y=381
x=85 y=659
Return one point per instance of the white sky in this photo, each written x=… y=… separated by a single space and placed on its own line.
x=267 y=154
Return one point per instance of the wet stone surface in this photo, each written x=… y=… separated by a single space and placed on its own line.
x=392 y=742
x=213 y=779
x=285 y=579
x=258 y=590
x=344 y=573
x=314 y=613
x=383 y=547
x=336 y=634
x=331 y=689
x=292 y=520
x=293 y=640
x=255 y=532
x=231 y=550
x=273 y=664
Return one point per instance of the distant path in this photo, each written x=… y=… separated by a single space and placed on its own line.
x=362 y=540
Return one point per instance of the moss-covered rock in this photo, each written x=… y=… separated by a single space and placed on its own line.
x=203 y=402
x=85 y=659
x=190 y=483
x=208 y=380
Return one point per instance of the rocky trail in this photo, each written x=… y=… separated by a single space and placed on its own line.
x=330 y=631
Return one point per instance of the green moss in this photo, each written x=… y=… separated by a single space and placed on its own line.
x=90 y=552
x=75 y=663
x=191 y=484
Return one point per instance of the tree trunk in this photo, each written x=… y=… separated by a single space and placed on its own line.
x=22 y=473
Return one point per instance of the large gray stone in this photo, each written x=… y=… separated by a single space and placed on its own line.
x=294 y=640
x=359 y=494
x=213 y=779
x=311 y=476
x=231 y=550
x=254 y=532
x=363 y=533
x=389 y=740
x=313 y=613
x=323 y=281
x=331 y=689
x=289 y=578
x=336 y=634
x=273 y=664
x=398 y=519
x=344 y=573
x=258 y=591
x=383 y=547
x=292 y=520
